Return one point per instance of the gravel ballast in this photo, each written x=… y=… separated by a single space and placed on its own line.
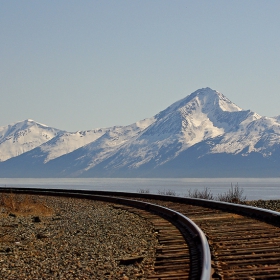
x=66 y=238
x=266 y=204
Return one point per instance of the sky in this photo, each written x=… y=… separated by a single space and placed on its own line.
x=80 y=65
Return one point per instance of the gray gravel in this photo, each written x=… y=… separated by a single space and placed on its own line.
x=80 y=240
x=266 y=204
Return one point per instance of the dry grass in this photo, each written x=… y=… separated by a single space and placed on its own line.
x=23 y=204
x=233 y=195
x=204 y=194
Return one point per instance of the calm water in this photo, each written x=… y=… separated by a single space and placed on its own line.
x=254 y=188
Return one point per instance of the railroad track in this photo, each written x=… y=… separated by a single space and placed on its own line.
x=244 y=241
x=242 y=247
x=182 y=251
x=174 y=258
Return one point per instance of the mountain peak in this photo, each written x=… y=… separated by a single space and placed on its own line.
x=205 y=100
x=209 y=98
x=23 y=136
x=32 y=122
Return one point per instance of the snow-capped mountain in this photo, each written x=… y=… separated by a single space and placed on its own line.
x=21 y=137
x=201 y=135
x=202 y=115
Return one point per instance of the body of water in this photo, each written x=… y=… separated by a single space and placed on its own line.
x=254 y=188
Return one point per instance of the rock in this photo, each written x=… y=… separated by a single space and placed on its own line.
x=36 y=219
x=131 y=260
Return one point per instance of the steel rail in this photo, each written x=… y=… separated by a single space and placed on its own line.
x=254 y=212
x=175 y=216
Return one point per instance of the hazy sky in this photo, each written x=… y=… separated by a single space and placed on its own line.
x=79 y=65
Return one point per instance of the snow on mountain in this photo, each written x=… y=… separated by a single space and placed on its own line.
x=203 y=134
x=20 y=137
x=277 y=118
x=106 y=145
x=67 y=142
x=202 y=115
x=61 y=143
x=256 y=134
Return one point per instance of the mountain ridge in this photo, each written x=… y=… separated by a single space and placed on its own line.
x=202 y=134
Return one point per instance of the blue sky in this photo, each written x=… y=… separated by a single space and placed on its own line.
x=79 y=65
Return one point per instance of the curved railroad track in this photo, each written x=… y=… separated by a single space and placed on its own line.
x=182 y=250
x=244 y=241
